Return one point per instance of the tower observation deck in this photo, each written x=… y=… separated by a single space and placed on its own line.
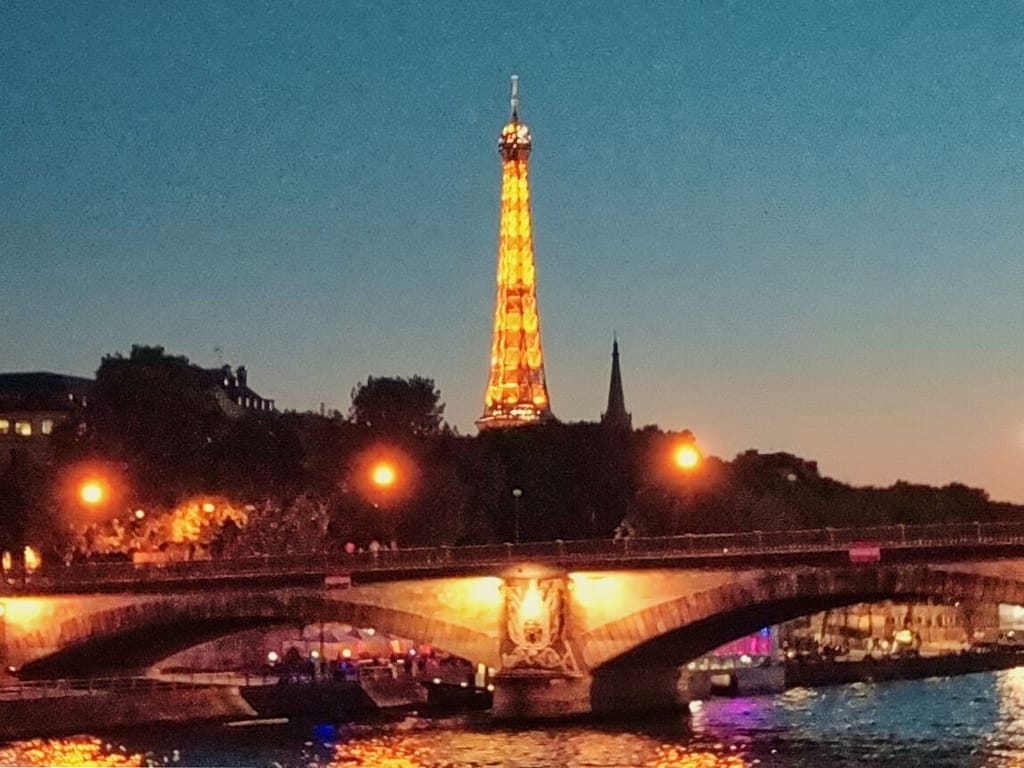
x=516 y=392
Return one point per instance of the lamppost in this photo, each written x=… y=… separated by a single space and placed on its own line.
x=384 y=479
x=516 y=494
x=685 y=463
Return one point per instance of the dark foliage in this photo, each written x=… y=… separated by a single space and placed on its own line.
x=304 y=476
x=396 y=406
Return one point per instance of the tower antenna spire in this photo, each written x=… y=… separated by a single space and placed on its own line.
x=515 y=98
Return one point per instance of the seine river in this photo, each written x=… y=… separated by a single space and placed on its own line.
x=976 y=720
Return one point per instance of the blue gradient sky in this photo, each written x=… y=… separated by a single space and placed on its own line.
x=805 y=220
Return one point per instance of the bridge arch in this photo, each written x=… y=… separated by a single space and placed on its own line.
x=142 y=633
x=679 y=630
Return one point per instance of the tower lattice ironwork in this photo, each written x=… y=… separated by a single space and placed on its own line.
x=516 y=391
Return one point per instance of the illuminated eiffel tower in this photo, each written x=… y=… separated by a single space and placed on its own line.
x=516 y=392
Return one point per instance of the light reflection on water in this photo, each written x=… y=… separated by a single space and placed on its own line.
x=73 y=751
x=975 y=721
x=390 y=751
x=412 y=744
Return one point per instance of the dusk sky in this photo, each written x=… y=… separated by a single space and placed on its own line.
x=805 y=220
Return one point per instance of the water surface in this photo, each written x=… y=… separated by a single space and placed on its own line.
x=975 y=721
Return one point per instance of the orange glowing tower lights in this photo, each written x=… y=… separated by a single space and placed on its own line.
x=516 y=391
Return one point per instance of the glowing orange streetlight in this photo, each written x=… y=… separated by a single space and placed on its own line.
x=383 y=475
x=92 y=492
x=687 y=457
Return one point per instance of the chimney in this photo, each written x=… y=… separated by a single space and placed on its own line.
x=242 y=375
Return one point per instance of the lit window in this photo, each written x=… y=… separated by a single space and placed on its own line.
x=46 y=426
x=5 y=426
x=23 y=428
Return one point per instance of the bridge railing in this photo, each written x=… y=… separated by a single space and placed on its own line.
x=485 y=556
x=197 y=569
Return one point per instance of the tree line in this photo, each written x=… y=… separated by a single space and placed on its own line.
x=160 y=432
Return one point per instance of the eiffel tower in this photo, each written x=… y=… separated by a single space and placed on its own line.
x=516 y=392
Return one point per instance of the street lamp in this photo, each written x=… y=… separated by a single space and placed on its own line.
x=387 y=486
x=516 y=494
x=92 y=492
x=383 y=475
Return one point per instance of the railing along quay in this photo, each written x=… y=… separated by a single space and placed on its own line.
x=62 y=688
x=580 y=552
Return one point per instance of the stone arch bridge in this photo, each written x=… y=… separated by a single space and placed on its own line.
x=571 y=627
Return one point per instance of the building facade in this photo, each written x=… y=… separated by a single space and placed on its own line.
x=32 y=406
x=233 y=391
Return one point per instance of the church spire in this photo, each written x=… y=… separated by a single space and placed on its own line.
x=616 y=415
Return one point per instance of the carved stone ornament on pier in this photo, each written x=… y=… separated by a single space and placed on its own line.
x=535 y=628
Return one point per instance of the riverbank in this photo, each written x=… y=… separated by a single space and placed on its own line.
x=913 y=724
x=750 y=681
x=60 y=711
x=99 y=710
x=821 y=673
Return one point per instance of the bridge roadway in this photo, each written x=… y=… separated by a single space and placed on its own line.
x=569 y=626
x=755 y=549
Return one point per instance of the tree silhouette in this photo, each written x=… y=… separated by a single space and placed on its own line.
x=396 y=407
x=154 y=412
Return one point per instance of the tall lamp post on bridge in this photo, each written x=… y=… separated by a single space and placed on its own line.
x=385 y=481
x=516 y=494
x=686 y=461
x=385 y=477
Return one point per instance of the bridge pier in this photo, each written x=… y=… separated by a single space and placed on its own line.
x=540 y=697
x=541 y=674
x=618 y=692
